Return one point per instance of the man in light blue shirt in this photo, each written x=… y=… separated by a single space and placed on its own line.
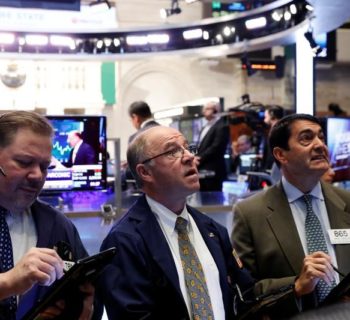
x=270 y=232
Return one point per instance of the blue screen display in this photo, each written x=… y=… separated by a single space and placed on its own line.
x=78 y=154
x=338 y=142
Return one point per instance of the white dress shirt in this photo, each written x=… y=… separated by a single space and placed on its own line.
x=207 y=127
x=75 y=150
x=23 y=233
x=166 y=220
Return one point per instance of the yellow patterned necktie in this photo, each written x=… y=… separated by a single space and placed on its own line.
x=194 y=275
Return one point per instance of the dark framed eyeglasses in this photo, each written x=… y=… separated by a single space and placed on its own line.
x=174 y=153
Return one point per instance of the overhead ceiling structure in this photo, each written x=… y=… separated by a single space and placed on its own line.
x=275 y=23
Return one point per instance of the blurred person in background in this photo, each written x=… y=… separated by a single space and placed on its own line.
x=213 y=141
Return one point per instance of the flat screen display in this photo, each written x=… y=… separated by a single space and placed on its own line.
x=327 y=41
x=42 y=4
x=78 y=154
x=338 y=142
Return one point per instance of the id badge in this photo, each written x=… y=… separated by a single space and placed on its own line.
x=339 y=236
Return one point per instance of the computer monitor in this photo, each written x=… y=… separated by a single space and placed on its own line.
x=247 y=162
x=338 y=142
x=78 y=155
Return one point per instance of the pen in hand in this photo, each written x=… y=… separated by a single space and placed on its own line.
x=337 y=271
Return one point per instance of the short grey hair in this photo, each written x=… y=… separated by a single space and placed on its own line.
x=137 y=152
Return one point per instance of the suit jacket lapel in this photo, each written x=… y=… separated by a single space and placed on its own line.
x=280 y=219
x=155 y=241
x=43 y=228
x=339 y=218
x=211 y=238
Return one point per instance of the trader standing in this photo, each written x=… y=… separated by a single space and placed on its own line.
x=173 y=262
x=213 y=141
x=286 y=234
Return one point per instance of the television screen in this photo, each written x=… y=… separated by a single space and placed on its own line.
x=338 y=141
x=327 y=42
x=42 y=4
x=78 y=154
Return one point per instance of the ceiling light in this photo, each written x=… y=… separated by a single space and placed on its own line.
x=62 y=41
x=116 y=42
x=227 y=31
x=293 y=8
x=136 y=40
x=37 y=40
x=7 y=38
x=287 y=16
x=193 y=34
x=277 y=15
x=255 y=23
x=158 y=38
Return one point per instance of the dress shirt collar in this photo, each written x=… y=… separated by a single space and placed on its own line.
x=166 y=216
x=143 y=124
x=294 y=193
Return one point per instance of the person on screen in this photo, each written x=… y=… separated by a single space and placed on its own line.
x=243 y=145
x=81 y=153
x=274 y=230
x=212 y=145
x=29 y=228
x=146 y=279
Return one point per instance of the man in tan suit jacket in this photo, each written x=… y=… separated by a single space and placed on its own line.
x=269 y=231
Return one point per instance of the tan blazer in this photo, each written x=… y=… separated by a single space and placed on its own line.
x=266 y=238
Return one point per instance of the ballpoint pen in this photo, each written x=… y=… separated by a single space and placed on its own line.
x=336 y=270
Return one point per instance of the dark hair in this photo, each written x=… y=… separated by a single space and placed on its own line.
x=141 y=109
x=276 y=112
x=11 y=122
x=335 y=108
x=281 y=131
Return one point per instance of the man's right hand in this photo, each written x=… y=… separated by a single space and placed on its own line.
x=38 y=265
x=316 y=266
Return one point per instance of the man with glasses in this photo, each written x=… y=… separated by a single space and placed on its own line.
x=162 y=242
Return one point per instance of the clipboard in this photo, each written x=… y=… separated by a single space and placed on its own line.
x=338 y=292
x=67 y=287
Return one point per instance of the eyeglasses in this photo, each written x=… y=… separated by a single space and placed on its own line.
x=177 y=152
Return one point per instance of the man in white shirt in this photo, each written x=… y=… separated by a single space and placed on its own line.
x=212 y=146
x=147 y=279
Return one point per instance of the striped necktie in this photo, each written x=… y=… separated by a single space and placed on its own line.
x=315 y=241
x=194 y=276
x=6 y=258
